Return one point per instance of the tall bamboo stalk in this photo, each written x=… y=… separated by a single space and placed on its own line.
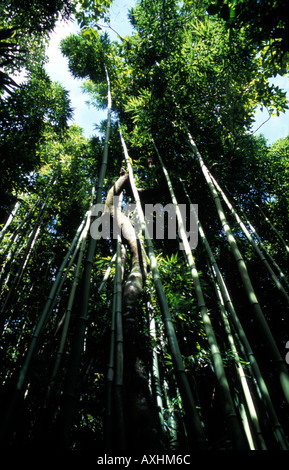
x=47 y=309
x=263 y=248
x=31 y=242
x=13 y=240
x=226 y=304
x=156 y=379
x=227 y=402
x=251 y=240
x=18 y=275
x=255 y=438
x=77 y=274
x=10 y=219
x=171 y=419
x=77 y=345
x=108 y=436
x=256 y=373
x=274 y=229
x=118 y=379
x=245 y=346
x=193 y=418
x=114 y=401
x=109 y=423
x=43 y=318
x=106 y=274
x=99 y=189
x=256 y=308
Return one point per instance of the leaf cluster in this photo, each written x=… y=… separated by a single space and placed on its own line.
x=24 y=117
x=265 y=23
x=87 y=54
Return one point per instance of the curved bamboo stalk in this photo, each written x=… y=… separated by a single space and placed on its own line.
x=227 y=402
x=256 y=308
x=193 y=417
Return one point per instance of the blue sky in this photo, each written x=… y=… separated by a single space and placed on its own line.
x=277 y=126
x=87 y=116
x=57 y=68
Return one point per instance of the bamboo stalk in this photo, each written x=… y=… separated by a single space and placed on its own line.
x=267 y=254
x=243 y=381
x=17 y=279
x=278 y=431
x=77 y=346
x=36 y=334
x=82 y=240
x=251 y=240
x=185 y=390
x=256 y=308
x=114 y=401
x=43 y=318
x=106 y=274
x=120 y=420
x=19 y=274
x=171 y=419
x=274 y=229
x=13 y=245
x=226 y=302
x=155 y=369
x=14 y=235
x=10 y=219
x=110 y=374
x=227 y=402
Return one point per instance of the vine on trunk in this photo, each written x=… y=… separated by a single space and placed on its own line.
x=142 y=424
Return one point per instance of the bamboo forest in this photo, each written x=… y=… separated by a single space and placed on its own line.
x=144 y=270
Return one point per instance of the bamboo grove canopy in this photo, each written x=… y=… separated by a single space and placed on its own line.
x=124 y=330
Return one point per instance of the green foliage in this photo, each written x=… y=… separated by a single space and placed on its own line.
x=87 y=54
x=35 y=16
x=88 y=12
x=264 y=23
x=36 y=105
x=24 y=29
x=276 y=182
x=213 y=76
